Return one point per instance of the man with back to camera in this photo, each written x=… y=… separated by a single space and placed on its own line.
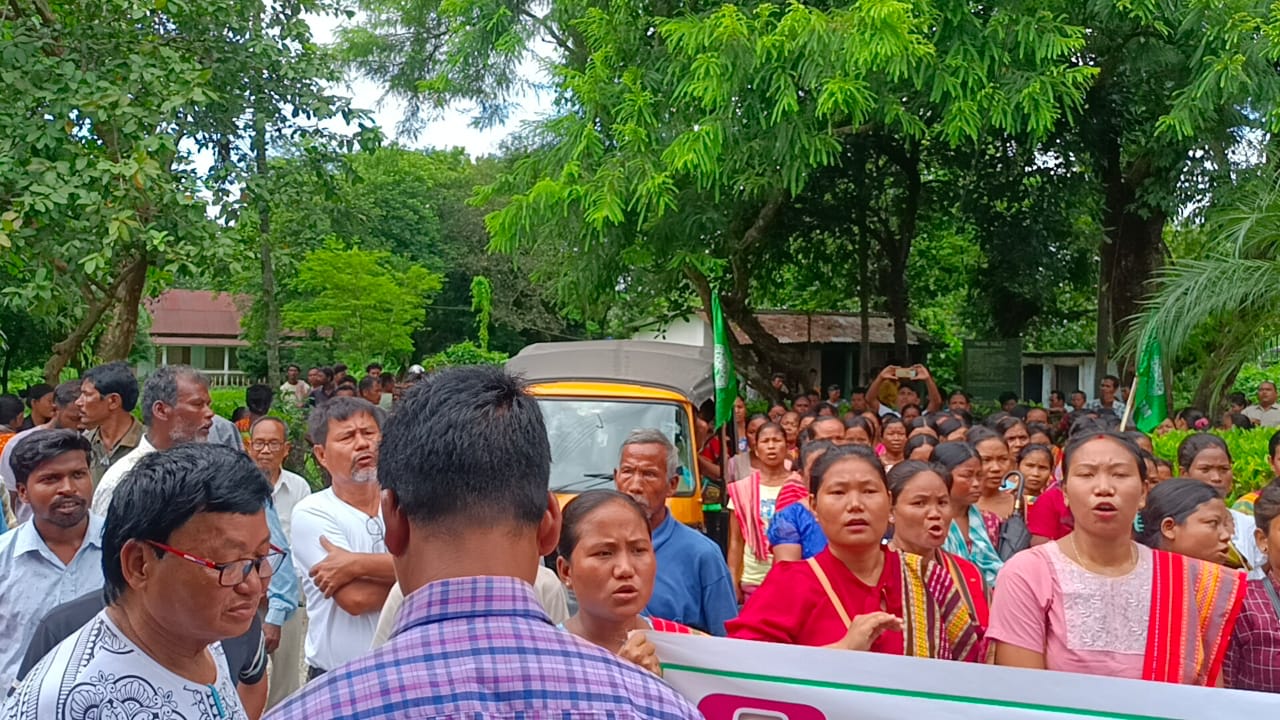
x=693 y=586
x=55 y=557
x=338 y=547
x=466 y=466
x=108 y=394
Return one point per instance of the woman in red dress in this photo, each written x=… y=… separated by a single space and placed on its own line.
x=859 y=594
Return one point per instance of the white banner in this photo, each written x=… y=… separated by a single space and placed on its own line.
x=742 y=680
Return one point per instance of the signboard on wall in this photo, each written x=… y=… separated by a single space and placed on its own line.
x=992 y=367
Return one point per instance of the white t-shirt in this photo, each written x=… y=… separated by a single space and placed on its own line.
x=334 y=636
x=114 y=474
x=98 y=672
x=290 y=489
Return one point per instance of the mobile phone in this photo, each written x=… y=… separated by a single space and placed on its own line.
x=907 y=373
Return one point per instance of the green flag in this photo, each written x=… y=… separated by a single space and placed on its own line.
x=726 y=379
x=1151 y=405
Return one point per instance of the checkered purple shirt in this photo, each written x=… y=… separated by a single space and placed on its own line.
x=1253 y=658
x=482 y=647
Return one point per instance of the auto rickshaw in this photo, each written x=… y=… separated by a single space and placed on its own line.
x=594 y=393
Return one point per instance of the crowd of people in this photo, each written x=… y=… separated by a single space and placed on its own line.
x=171 y=564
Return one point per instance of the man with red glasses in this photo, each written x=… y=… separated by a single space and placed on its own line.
x=186 y=558
x=57 y=555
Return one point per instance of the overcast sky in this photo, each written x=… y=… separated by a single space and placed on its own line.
x=453 y=130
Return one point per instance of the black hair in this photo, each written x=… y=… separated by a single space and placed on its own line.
x=1081 y=393
x=857 y=421
x=66 y=393
x=258 y=398
x=293 y=366
x=1007 y=423
x=947 y=425
x=373 y=366
x=839 y=454
x=340 y=408
x=1176 y=498
x=1007 y=396
x=115 y=378
x=166 y=489
x=1161 y=462
x=387 y=380
x=1242 y=421
x=1058 y=393
x=891 y=420
x=817 y=447
x=913 y=405
x=11 y=409
x=902 y=473
x=579 y=508
x=1081 y=439
x=964 y=416
x=819 y=419
x=824 y=405
x=804 y=437
x=162 y=387
x=1083 y=424
x=1273 y=445
x=918 y=422
x=757 y=416
x=1190 y=416
x=1237 y=398
x=1267 y=507
x=340 y=368
x=961 y=393
x=1137 y=436
x=367 y=383
x=772 y=425
x=37 y=391
x=1027 y=451
x=918 y=442
x=1114 y=380
x=951 y=455
x=1035 y=427
x=40 y=447
x=1193 y=445
x=982 y=433
x=860 y=390
x=239 y=414
x=467 y=444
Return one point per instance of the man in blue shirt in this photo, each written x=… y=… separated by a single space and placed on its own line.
x=693 y=586
x=57 y=556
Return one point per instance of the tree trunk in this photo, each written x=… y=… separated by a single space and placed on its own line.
x=864 y=309
x=117 y=341
x=271 y=305
x=63 y=351
x=1134 y=249
x=896 y=244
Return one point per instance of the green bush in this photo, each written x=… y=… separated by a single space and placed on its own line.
x=1250 y=462
x=463 y=353
x=226 y=400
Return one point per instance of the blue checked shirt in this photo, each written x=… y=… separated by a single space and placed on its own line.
x=480 y=647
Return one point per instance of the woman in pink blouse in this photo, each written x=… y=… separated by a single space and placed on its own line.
x=1097 y=602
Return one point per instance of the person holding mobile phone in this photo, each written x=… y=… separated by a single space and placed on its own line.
x=905 y=379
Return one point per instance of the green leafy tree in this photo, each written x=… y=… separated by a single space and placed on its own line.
x=365 y=302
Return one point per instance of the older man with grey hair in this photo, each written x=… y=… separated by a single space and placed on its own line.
x=693 y=585
x=176 y=409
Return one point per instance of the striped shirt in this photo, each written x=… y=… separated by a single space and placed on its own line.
x=479 y=647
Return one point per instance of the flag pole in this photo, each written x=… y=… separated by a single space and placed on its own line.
x=1128 y=407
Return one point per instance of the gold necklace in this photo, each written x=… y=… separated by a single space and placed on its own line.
x=1075 y=553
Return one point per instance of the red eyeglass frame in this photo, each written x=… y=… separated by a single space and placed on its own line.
x=219 y=566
